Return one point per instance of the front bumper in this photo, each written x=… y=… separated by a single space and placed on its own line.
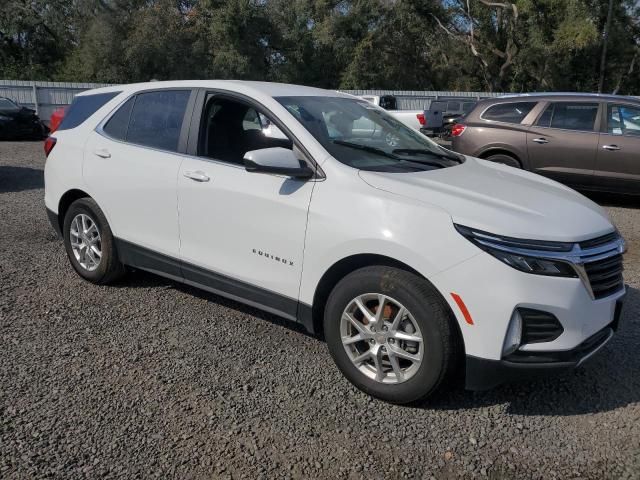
x=483 y=374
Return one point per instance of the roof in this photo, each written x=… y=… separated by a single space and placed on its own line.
x=265 y=88
x=569 y=95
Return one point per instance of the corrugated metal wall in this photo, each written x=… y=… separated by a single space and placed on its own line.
x=420 y=100
x=44 y=97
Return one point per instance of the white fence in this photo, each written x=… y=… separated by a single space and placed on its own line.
x=45 y=97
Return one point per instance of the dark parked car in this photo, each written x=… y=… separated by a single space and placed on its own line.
x=19 y=122
x=588 y=141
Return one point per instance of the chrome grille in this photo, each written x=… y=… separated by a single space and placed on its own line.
x=605 y=276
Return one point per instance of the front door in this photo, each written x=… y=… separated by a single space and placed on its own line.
x=242 y=234
x=618 y=162
x=562 y=143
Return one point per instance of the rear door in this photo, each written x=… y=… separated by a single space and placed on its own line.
x=618 y=161
x=562 y=143
x=131 y=165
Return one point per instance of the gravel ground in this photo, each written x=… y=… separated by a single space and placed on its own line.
x=150 y=378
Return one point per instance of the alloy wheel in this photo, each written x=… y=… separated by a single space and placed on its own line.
x=381 y=338
x=86 y=243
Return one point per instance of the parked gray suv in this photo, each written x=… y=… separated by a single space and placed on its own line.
x=588 y=141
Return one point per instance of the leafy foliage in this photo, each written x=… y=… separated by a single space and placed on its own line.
x=499 y=45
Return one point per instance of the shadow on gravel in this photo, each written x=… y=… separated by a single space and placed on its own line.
x=606 y=382
x=141 y=279
x=613 y=200
x=17 y=179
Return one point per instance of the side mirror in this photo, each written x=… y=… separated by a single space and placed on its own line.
x=277 y=161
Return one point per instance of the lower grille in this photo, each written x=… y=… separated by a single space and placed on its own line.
x=539 y=326
x=605 y=276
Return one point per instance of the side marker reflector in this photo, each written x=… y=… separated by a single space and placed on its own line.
x=463 y=308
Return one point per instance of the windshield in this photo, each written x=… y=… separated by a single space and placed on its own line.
x=366 y=137
x=8 y=106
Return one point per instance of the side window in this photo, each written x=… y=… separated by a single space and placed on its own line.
x=231 y=128
x=570 y=116
x=251 y=120
x=117 y=125
x=453 y=106
x=623 y=120
x=545 y=118
x=82 y=107
x=508 y=112
x=156 y=119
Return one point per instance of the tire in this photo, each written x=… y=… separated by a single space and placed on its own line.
x=505 y=159
x=438 y=348
x=108 y=267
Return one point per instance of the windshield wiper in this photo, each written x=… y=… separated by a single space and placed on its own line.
x=384 y=153
x=366 y=148
x=428 y=152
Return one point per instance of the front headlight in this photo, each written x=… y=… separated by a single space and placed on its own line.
x=530 y=256
x=4 y=118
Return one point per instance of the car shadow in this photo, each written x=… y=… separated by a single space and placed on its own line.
x=142 y=279
x=614 y=200
x=604 y=383
x=17 y=179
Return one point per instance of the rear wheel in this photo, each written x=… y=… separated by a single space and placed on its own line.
x=505 y=159
x=90 y=244
x=390 y=334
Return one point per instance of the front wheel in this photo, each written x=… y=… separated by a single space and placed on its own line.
x=390 y=334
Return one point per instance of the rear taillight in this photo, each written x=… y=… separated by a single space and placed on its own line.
x=458 y=129
x=56 y=118
x=421 y=118
x=49 y=143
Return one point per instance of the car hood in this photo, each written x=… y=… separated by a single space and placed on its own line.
x=23 y=113
x=500 y=199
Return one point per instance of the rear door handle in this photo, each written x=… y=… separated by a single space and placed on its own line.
x=611 y=147
x=540 y=140
x=102 y=153
x=197 y=176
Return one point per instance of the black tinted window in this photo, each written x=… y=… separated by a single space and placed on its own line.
x=570 y=116
x=117 y=125
x=508 y=112
x=83 y=107
x=156 y=119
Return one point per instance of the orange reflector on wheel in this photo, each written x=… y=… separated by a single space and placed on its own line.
x=463 y=308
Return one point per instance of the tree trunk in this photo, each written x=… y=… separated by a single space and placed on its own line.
x=605 y=39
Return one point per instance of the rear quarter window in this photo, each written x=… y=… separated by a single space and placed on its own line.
x=83 y=107
x=508 y=112
x=156 y=119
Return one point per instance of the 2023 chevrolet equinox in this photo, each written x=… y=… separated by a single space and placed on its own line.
x=324 y=209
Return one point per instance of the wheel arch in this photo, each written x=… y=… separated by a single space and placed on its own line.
x=66 y=200
x=313 y=318
x=501 y=151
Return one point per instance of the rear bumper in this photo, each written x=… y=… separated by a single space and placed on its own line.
x=53 y=219
x=483 y=374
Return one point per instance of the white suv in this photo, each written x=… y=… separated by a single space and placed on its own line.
x=322 y=208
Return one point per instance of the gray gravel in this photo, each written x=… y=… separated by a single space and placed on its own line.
x=150 y=378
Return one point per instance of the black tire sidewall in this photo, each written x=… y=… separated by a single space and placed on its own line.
x=105 y=268
x=504 y=159
x=427 y=310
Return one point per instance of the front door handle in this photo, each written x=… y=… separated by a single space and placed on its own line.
x=611 y=147
x=540 y=140
x=197 y=176
x=102 y=153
